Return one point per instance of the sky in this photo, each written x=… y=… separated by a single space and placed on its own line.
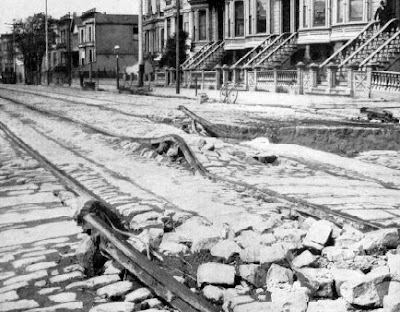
x=17 y=9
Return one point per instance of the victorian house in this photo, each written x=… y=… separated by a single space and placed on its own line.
x=268 y=33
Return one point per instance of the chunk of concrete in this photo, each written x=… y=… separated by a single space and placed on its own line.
x=215 y=273
x=381 y=239
x=248 y=239
x=338 y=305
x=278 y=277
x=394 y=263
x=274 y=253
x=319 y=232
x=341 y=276
x=348 y=237
x=289 y=235
x=250 y=254
x=391 y=302
x=253 y=273
x=318 y=281
x=290 y=299
x=337 y=254
x=369 y=290
x=254 y=306
x=170 y=248
x=225 y=249
x=306 y=258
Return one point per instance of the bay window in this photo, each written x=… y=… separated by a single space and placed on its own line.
x=319 y=12
x=356 y=10
x=261 y=16
x=239 y=19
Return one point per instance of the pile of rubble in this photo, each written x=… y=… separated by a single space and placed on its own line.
x=283 y=263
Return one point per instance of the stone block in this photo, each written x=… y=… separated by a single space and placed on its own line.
x=368 y=291
x=115 y=290
x=139 y=295
x=306 y=258
x=248 y=239
x=253 y=273
x=290 y=299
x=271 y=254
x=114 y=306
x=225 y=249
x=254 y=306
x=341 y=276
x=394 y=263
x=289 y=235
x=215 y=273
x=338 y=305
x=279 y=277
x=337 y=254
x=319 y=232
x=213 y=293
x=318 y=281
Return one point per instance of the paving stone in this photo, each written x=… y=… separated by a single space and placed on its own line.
x=319 y=232
x=253 y=273
x=138 y=295
x=213 y=293
x=225 y=249
x=151 y=303
x=19 y=305
x=14 y=286
x=114 y=307
x=39 y=253
x=73 y=306
x=7 y=258
x=94 y=282
x=369 y=290
x=318 y=281
x=290 y=299
x=63 y=297
x=273 y=253
x=278 y=277
x=40 y=266
x=215 y=273
x=115 y=290
x=66 y=277
x=5 y=275
x=338 y=305
x=46 y=291
x=27 y=261
x=26 y=278
x=9 y=296
x=306 y=258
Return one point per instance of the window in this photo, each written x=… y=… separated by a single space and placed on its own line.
x=202 y=25
x=356 y=10
x=239 y=19
x=162 y=38
x=168 y=27
x=319 y=13
x=340 y=11
x=54 y=59
x=90 y=34
x=305 y=16
x=82 y=36
x=261 y=16
x=90 y=56
x=135 y=32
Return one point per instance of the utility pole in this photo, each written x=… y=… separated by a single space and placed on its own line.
x=140 y=26
x=177 y=36
x=46 y=29
x=69 y=49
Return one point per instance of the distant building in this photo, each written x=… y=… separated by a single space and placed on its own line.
x=6 y=54
x=99 y=33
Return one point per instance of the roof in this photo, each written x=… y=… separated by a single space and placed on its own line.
x=118 y=19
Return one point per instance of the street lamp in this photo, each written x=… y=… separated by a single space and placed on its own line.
x=116 y=49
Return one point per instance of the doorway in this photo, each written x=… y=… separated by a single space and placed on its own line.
x=220 y=14
x=394 y=5
x=286 y=10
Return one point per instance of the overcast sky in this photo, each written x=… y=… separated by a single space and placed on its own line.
x=10 y=9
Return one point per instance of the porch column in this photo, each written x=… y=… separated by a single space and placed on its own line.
x=331 y=76
x=218 y=70
x=173 y=26
x=232 y=18
x=269 y=6
x=208 y=24
x=191 y=25
x=215 y=24
x=225 y=74
x=314 y=74
x=196 y=25
x=165 y=30
x=350 y=77
x=300 y=77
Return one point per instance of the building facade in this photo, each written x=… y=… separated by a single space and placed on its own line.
x=319 y=27
x=100 y=33
x=6 y=55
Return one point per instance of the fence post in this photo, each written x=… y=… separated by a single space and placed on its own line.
x=172 y=78
x=331 y=76
x=370 y=69
x=275 y=70
x=225 y=74
x=98 y=79
x=300 y=77
x=202 y=80
x=235 y=77
x=218 y=74
x=314 y=74
x=185 y=78
x=166 y=80
x=256 y=69
x=350 y=77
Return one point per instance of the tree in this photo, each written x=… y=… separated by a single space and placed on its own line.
x=30 y=39
x=169 y=57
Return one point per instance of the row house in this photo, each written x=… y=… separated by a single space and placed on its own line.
x=98 y=35
x=11 y=65
x=268 y=33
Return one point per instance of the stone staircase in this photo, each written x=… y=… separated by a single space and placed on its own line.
x=210 y=57
x=276 y=49
x=197 y=55
x=245 y=60
x=375 y=45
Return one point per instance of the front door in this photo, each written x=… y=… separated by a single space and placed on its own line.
x=220 y=14
x=286 y=14
x=394 y=5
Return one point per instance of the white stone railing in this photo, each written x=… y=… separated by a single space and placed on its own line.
x=385 y=81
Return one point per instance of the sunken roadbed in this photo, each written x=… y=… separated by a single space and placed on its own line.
x=177 y=221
